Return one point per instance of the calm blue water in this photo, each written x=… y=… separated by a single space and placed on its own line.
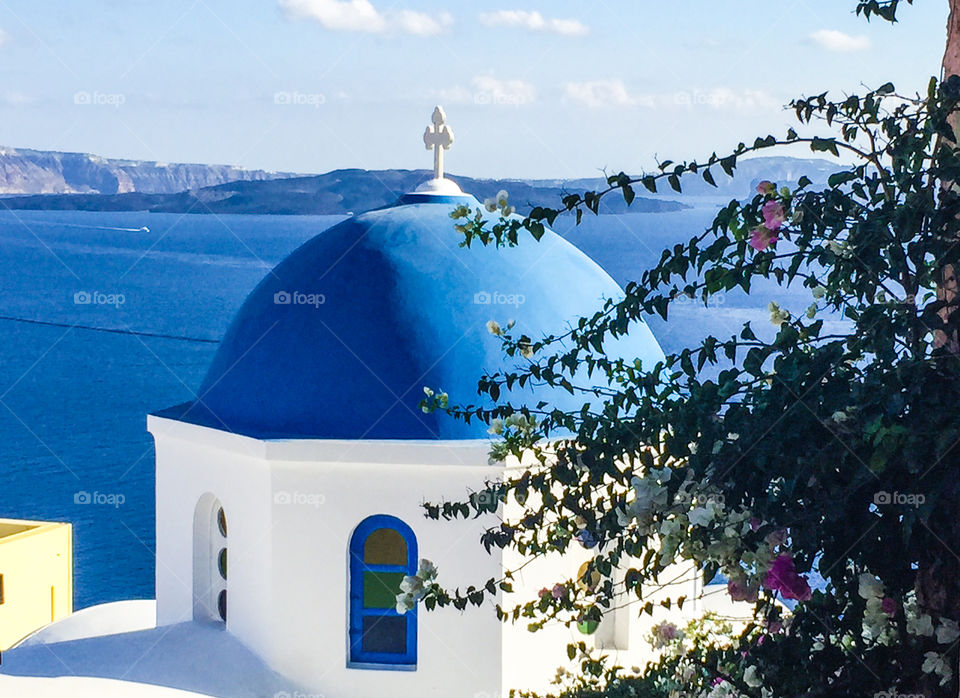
x=73 y=401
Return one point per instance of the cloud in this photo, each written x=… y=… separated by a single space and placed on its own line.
x=614 y=93
x=838 y=42
x=600 y=93
x=486 y=89
x=533 y=21
x=362 y=16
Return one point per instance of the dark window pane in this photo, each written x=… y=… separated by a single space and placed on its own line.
x=222 y=562
x=380 y=589
x=385 y=634
x=385 y=547
x=222 y=522
x=222 y=605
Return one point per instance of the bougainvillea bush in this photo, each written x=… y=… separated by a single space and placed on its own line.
x=831 y=447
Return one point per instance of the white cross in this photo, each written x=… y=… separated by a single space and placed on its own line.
x=438 y=137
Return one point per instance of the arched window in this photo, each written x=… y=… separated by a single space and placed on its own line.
x=383 y=550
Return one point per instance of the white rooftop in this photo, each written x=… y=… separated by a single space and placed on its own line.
x=115 y=650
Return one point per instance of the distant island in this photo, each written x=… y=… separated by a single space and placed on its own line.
x=47 y=180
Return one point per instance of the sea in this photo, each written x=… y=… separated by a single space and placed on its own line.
x=105 y=317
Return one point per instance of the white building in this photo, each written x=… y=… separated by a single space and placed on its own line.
x=289 y=492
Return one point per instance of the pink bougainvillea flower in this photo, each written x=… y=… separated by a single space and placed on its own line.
x=741 y=591
x=761 y=238
x=782 y=576
x=543 y=592
x=559 y=591
x=889 y=606
x=766 y=187
x=754 y=523
x=773 y=215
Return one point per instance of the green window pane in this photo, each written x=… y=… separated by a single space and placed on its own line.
x=380 y=589
x=385 y=547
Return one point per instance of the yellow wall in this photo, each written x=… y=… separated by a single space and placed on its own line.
x=36 y=561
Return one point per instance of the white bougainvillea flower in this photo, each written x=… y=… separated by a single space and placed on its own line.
x=947 y=631
x=427 y=571
x=870 y=587
x=701 y=516
x=920 y=625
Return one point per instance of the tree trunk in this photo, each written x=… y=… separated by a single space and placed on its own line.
x=938 y=577
x=951 y=66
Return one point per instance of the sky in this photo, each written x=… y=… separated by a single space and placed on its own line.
x=548 y=89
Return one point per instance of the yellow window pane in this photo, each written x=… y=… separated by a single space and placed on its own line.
x=385 y=547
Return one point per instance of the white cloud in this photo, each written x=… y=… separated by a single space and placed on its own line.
x=614 y=93
x=600 y=93
x=533 y=21
x=487 y=89
x=838 y=42
x=362 y=16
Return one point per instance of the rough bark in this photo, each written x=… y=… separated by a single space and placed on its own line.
x=938 y=577
x=951 y=66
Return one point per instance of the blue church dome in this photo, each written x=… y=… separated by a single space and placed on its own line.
x=339 y=340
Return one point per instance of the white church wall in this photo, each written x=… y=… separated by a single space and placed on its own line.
x=317 y=506
x=192 y=462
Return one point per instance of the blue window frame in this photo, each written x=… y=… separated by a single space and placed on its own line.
x=383 y=549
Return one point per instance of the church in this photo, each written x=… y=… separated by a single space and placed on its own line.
x=289 y=493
